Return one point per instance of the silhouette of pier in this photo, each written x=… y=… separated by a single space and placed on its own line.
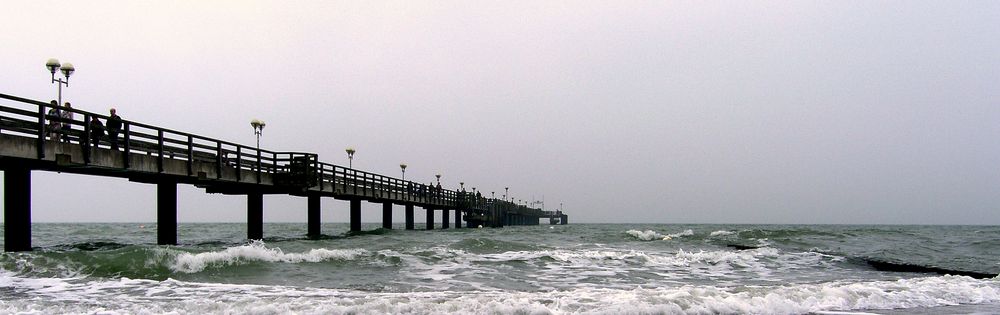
x=155 y=155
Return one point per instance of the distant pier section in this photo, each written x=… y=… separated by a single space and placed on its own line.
x=165 y=158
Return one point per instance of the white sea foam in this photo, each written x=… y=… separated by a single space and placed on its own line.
x=721 y=233
x=127 y=296
x=257 y=251
x=650 y=235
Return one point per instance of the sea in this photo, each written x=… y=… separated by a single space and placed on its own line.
x=117 y=268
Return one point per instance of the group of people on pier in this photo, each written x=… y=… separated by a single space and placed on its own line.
x=422 y=190
x=60 y=126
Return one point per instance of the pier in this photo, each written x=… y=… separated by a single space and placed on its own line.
x=158 y=156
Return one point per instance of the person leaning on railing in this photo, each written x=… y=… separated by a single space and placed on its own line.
x=67 y=123
x=53 y=116
x=96 y=130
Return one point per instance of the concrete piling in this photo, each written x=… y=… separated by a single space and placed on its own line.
x=17 y=209
x=313 y=216
x=166 y=213
x=355 y=215
x=255 y=216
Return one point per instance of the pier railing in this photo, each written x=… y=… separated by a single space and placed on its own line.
x=28 y=118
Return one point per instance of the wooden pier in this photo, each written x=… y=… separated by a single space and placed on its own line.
x=154 y=155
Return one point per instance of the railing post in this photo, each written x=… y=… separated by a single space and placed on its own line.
x=239 y=163
x=190 y=154
x=128 y=146
x=258 y=166
x=85 y=139
x=159 y=151
x=218 y=160
x=40 y=144
x=354 y=180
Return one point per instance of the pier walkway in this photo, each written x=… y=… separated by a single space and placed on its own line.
x=155 y=155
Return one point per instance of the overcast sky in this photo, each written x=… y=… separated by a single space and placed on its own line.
x=660 y=111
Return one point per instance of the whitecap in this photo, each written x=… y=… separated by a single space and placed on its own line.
x=257 y=251
x=48 y=296
x=649 y=235
x=721 y=233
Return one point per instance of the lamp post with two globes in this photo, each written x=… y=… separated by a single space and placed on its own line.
x=258 y=128
x=350 y=157
x=67 y=70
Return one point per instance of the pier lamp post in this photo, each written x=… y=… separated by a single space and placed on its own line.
x=67 y=70
x=402 y=167
x=350 y=157
x=505 y=193
x=258 y=128
x=438 y=178
x=461 y=185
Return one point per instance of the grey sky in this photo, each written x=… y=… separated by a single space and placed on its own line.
x=660 y=111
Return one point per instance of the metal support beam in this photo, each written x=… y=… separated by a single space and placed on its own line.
x=409 y=217
x=430 y=218
x=313 y=216
x=458 y=218
x=355 y=215
x=387 y=215
x=166 y=213
x=17 y=210
x=255 y=216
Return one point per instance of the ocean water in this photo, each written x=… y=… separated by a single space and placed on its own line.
x=570 y=269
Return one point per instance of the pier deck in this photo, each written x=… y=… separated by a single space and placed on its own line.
x=155 y=155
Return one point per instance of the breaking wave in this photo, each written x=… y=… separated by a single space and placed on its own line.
x=257 y=252
x=53 y=295
x=650 y=235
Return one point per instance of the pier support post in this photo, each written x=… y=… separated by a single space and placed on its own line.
x=355 y=215
x=409 y=217
x=166 y=213
x=17 y=210
x=313 y=216
x=458 y=218
x=430 y=218
x=387 y=215
x=445 y=219
x=255 y=216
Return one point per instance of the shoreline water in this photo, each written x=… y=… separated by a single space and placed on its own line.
x=580 y=268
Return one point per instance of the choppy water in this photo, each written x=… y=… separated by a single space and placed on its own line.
x=580 y=268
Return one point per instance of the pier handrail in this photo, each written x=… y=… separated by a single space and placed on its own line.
x=164 y=143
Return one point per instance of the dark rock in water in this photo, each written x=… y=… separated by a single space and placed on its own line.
x=903 y=267
x=741 y=247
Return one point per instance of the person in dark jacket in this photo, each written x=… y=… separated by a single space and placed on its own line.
x=114 y=127
x=96 y=130
x=54 y=116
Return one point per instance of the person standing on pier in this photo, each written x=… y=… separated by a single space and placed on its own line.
x=114 y=126
x=54 y=116
x=67 y=122
x=96 y=130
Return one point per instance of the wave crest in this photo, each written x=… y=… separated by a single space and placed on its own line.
x=650 y=235
x=257 y=251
